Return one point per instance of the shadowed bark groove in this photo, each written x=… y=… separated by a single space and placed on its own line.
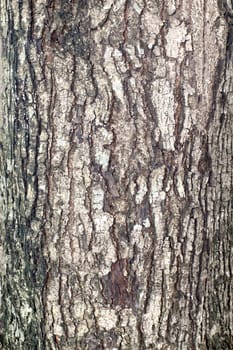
x=116 y=175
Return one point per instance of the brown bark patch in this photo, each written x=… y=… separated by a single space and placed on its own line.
x=120 y=286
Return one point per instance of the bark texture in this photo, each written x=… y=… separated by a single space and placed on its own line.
x=116 y=175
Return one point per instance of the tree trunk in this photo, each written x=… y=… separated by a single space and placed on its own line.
x=116 y=175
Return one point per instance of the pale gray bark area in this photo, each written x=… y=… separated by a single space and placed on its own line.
x=116 y=175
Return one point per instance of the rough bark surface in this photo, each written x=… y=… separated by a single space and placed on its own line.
x=116 y=174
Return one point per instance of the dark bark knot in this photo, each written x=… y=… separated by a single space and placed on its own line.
x=69 y=40
x=72 y=26
x=119 y=286
x=205 y=163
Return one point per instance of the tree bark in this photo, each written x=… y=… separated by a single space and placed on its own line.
x=116 y=175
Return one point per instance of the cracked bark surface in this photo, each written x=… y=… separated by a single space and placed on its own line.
x=116 y=175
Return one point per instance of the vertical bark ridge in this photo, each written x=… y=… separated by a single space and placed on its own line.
x=20 y=137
